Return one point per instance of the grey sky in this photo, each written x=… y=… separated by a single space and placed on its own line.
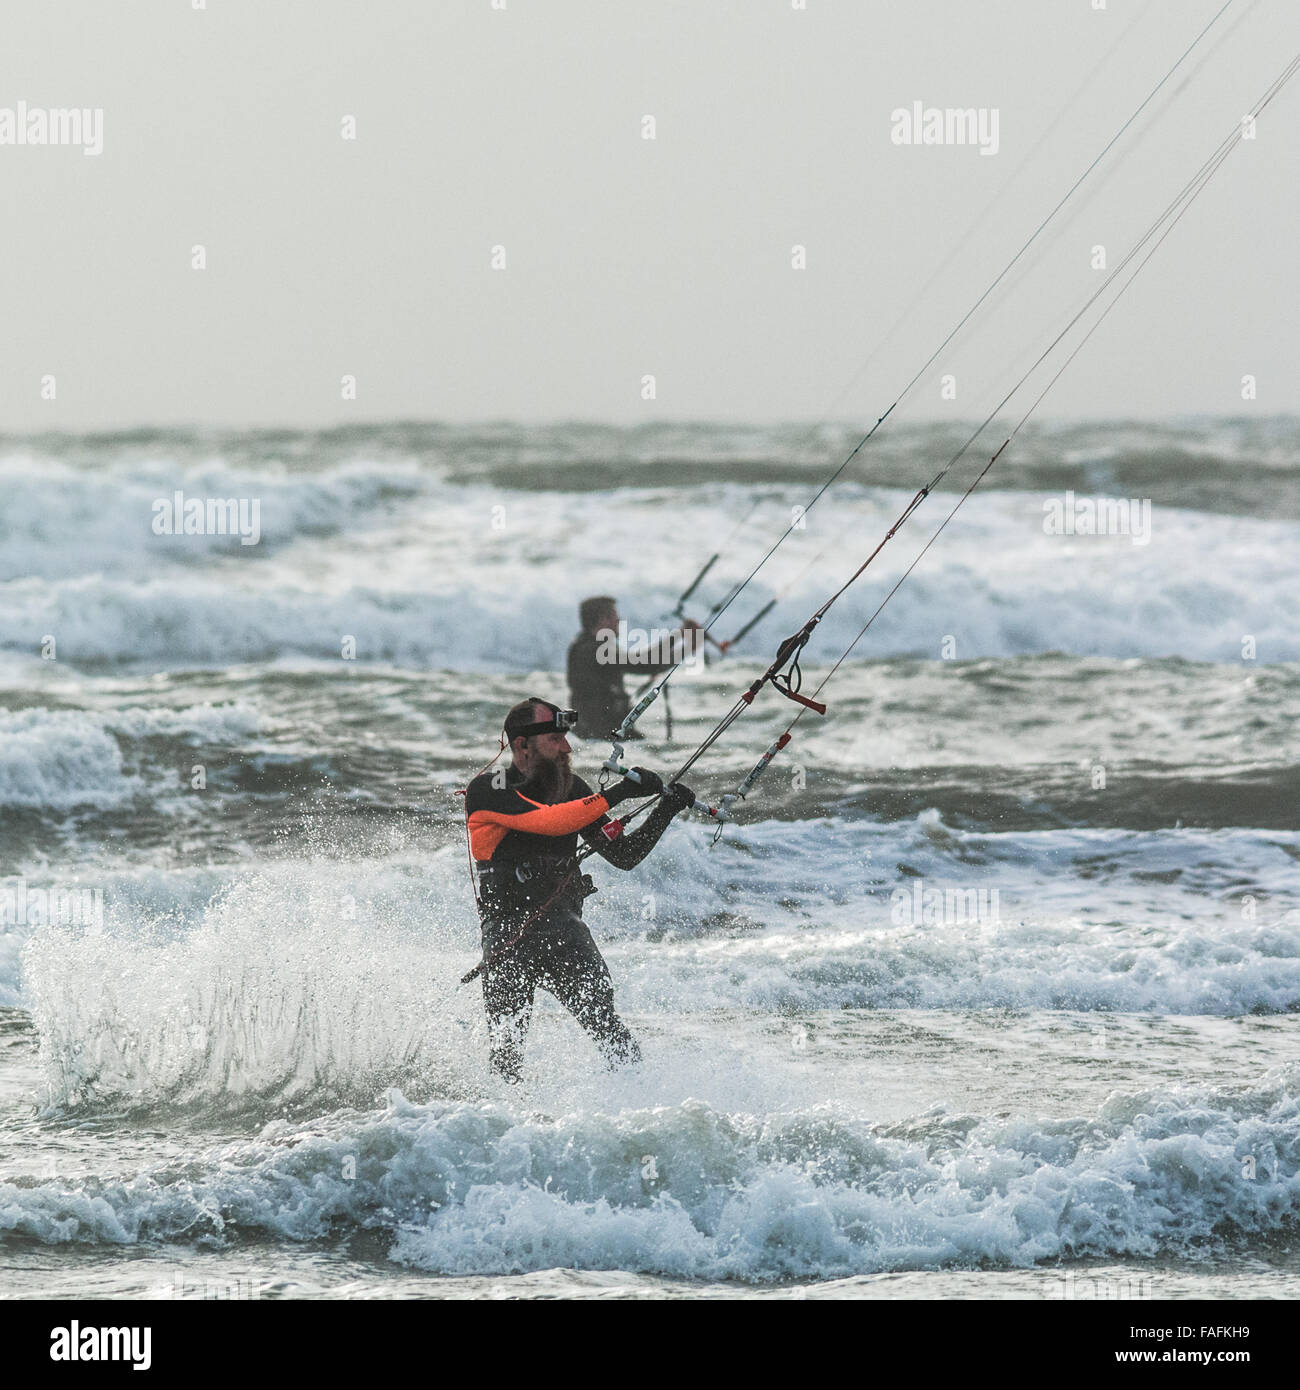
x=625 y=257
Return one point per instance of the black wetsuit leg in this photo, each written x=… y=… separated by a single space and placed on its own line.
x=508 y=985
x=561 y=956
x=570 y=966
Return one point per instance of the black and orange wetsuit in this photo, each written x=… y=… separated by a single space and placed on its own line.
x=524 y=850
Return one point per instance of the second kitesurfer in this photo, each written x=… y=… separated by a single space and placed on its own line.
x=597 y=666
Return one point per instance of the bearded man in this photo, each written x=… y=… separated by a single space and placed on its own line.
x=524 y=823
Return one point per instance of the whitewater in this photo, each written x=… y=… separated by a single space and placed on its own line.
x=989 y=991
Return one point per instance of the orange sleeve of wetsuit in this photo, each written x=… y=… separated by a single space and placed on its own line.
x=488 y=828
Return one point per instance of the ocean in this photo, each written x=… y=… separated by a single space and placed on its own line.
x=989 y=990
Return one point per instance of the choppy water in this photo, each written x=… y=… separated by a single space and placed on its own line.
x=991 y=987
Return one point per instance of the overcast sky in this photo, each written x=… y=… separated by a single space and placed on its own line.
x=523 y=128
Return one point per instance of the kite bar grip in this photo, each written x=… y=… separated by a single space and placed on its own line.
x=794 y=695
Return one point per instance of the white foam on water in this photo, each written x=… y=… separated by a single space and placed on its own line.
x=325 y=972
x=288 y=981
x=110 y=509
x=687 y=1190
x=61 y=760
x=998 y=581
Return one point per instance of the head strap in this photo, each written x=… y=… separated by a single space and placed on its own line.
x=559 y=722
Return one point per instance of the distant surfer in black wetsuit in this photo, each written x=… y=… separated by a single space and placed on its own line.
x=524 y=823
x=597 y=666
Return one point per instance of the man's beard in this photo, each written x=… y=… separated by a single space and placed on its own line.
x=552 y=778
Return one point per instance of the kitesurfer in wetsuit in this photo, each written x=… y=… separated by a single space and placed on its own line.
x=524 y=823
x=597 y=667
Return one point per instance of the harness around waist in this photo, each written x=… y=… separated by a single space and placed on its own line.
x=540 y=883
x=536 y=868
